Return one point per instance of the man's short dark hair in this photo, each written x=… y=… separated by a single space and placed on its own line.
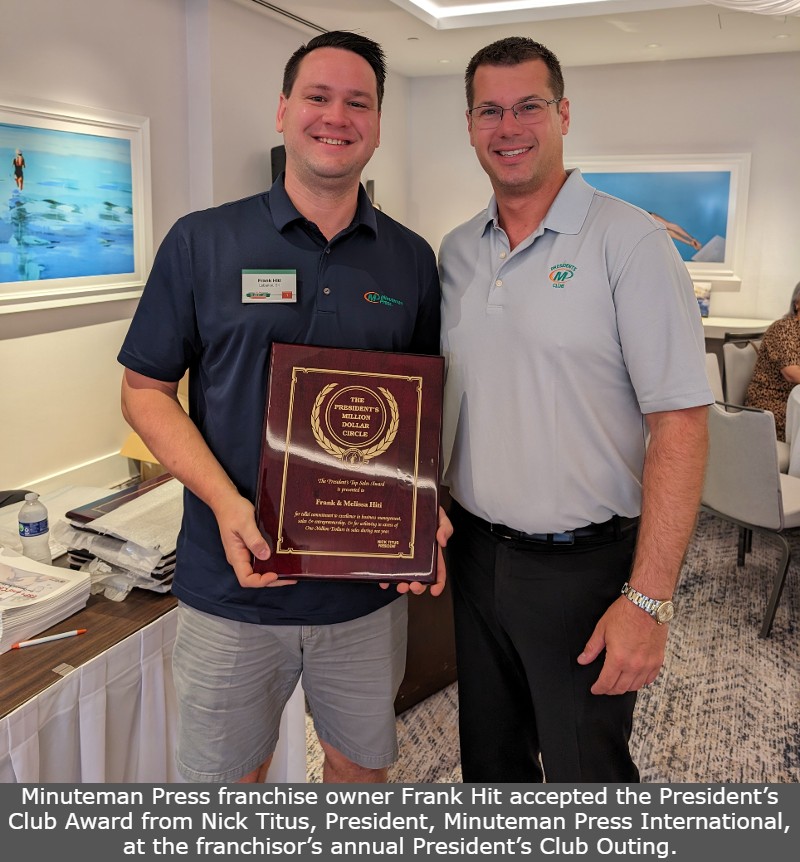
x=361 y=45
x=511 y=52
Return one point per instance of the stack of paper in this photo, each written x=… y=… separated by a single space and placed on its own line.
x=127 y=539
x=35 y=596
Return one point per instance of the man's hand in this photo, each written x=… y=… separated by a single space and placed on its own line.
x=443 y=533
x=241 y=538
x=672 y=480
x=152 y=409
x=634 y=645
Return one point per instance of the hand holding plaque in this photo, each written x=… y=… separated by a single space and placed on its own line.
x=349 y=475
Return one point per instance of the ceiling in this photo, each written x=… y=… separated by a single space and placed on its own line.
x=592 y=33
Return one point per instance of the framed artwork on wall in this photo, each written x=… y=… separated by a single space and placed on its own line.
x=701 y=199
x=75 y=208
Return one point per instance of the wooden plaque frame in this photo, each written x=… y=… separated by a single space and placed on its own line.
x=348 y=481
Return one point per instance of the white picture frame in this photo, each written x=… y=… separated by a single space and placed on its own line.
x=78 y=227
x=702 y=196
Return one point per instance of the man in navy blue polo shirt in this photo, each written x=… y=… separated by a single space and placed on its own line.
x=243 y=638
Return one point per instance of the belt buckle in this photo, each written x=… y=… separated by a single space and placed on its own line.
x=564 y=538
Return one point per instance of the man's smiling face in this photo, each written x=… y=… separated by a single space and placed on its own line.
x=330 y=120
x=518 y=158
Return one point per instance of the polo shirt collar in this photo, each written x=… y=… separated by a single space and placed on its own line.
x=284 y=212
x=568 y=211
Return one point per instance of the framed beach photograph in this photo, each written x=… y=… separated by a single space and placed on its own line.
x=701 y=199
x=75 y=210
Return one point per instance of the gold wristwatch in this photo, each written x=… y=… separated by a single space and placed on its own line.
x=661 y=612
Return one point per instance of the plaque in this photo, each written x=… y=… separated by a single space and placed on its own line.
x=348 y=483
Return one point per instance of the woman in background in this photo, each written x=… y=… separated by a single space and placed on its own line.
x=777 y=369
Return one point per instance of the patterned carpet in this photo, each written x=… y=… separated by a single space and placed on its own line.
x=726 y=706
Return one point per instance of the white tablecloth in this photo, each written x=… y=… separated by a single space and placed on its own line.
x=113 y=720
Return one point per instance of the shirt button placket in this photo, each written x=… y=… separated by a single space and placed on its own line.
x=324 y=259
x=496 y=294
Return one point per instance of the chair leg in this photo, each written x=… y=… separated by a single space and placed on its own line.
x=777 y=586
x=745 y=545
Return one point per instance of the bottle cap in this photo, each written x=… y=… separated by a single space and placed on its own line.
x=31 y=497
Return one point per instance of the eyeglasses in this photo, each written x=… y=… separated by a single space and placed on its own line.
x=528 y=112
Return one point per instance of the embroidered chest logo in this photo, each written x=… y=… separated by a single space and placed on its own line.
x=562 y=273
x=381 y=299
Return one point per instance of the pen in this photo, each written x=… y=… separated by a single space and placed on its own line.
x=48 y=638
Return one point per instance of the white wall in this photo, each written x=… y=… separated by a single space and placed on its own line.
x=59 y=380
x=247 y=54
x=749 y=104
x=207 y=74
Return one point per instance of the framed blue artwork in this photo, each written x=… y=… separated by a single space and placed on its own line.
x=701 y=199
x=75 y=210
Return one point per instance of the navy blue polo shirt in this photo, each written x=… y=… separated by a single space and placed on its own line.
x=191 y=316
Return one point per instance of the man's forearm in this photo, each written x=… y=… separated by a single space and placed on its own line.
x=672 y=485
x=158 y=418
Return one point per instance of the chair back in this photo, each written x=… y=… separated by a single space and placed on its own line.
x=742 y=480
x=739 y=360
x=743 y=336
x=714 y=376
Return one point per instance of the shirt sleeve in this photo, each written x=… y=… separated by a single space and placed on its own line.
x=660 y=328
x=162 y=341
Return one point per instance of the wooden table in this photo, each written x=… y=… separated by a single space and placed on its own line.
x=26 y=672
x=112 y=718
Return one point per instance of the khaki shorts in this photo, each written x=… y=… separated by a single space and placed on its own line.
x=233 y=680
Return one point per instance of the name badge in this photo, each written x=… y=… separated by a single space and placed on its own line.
x=269 y=285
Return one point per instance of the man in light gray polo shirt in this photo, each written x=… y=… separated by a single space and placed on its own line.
x=571 y=333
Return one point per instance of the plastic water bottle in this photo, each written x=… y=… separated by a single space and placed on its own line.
x=34 y=530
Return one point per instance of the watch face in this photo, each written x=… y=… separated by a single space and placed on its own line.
x=665 y=612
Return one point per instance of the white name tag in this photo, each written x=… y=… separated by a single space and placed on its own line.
x=269 y=285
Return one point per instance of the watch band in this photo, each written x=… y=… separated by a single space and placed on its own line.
x=661 y=611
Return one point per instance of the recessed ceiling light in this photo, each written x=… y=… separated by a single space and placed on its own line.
x=653 y=45
x=448 y=9
x=782 y=36
x=444 y=61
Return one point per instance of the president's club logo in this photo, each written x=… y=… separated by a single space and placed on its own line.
x=561 y=273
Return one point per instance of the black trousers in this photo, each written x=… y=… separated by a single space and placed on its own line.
x=523 y=613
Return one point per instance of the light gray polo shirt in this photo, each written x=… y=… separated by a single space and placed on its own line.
x=554 y=351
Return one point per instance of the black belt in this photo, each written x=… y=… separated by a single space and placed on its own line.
x=613 y=528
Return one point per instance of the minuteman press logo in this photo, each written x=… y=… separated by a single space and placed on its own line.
x=562 y=273
x=381 y=299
